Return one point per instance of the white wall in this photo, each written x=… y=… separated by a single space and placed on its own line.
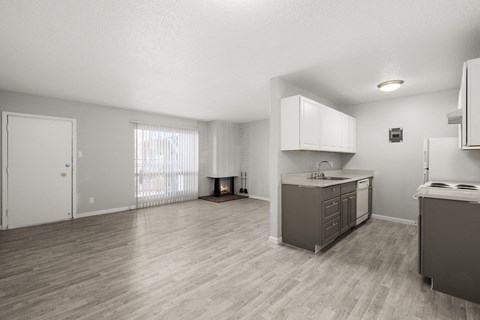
x=290 y=161
x=254 y=157
x=105 y=136
x=398 y=166
x=223 y=149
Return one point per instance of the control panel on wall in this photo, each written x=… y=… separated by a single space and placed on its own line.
x=395 y=135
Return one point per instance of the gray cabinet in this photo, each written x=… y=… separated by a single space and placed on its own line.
x=345 y=213
x=301 y=208
x=330 y=217
x=313 y=217
x=352 y=214
x=448 y=243
x=348 y=211
x=370 y=198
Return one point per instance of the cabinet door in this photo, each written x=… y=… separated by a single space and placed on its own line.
x=462 y=104
x=300 y=215
x=473 y=103
x=328 y=129
x=342 y=132
x=344 y=213
x=353 y=209
x=309 y=125
x=352 y=135
x=370 y=199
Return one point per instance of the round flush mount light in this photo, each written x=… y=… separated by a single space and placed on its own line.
x=390 y=85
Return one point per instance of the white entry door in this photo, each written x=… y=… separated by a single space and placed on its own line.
x=39 y=170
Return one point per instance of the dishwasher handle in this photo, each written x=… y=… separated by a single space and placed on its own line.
x=363 y=184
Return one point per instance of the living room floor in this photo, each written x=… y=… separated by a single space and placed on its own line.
x=201 y=260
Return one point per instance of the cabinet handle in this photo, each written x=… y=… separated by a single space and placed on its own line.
x=334 y=224
x=333 y=189
x=474 y=202
x=335 y=203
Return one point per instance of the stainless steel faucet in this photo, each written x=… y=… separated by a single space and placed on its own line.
x=319 y=164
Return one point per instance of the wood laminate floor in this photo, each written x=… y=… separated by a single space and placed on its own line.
x=201 y=260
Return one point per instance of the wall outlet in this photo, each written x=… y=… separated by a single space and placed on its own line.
x=92 y=200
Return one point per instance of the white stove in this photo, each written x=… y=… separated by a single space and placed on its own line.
x=461 y=191
x=452 y=185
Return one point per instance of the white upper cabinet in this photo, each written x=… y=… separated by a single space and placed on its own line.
x=469 y=102
x=299 y=124
x=312 y=126
x=309 y=129
x=352 y=135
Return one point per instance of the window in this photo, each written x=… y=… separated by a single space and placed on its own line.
x=166 y=164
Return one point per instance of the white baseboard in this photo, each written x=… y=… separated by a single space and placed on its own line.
x=393 y=219
x=96 y=213
x=259 y=198
x=275 y=240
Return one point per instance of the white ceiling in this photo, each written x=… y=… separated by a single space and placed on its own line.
x=212 y=59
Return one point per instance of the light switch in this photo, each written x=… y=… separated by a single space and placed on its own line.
x=80 y=154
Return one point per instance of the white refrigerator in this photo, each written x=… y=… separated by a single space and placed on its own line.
x=443 y=160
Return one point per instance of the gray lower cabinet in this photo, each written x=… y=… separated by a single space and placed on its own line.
x=352 y=214
x=449 y=246
x=348 y=211
x=345 y=212
x=314 y=217
x=370 y=198
x=300 y=215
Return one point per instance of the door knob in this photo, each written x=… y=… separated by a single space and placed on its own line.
x=67 y=165
x=64 y=174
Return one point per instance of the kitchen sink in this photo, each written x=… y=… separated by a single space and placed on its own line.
x=329 y=178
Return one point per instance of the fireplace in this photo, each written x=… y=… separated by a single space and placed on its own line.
x=223 y=190
x=223 y=186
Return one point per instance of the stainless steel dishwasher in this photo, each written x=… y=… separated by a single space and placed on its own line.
x=362 y=200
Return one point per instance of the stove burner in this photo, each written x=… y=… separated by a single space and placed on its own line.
x=439 y=185
x=466 y=187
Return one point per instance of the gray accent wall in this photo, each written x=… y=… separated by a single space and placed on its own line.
x=254 y=157
x=105 y=136
x=398 y=166
x=288 y=161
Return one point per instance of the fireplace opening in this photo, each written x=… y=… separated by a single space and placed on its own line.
x=223 y=186
x=223 y=190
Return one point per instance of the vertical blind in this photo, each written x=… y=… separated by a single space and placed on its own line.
x=166 y=164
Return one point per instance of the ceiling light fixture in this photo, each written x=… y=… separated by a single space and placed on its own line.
x=390 y=85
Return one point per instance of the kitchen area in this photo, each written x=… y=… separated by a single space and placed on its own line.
x=449 y=200
x=320 y=207
x=342 y=197
x=337 y=202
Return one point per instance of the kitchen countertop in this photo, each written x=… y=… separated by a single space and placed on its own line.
x=302 y=179
x=448 y=194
